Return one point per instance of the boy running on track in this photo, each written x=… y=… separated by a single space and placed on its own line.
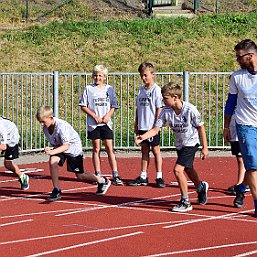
x=184 y=119
x=9 y=139
x=66 y=146
x=99 y=102
x=148 y=108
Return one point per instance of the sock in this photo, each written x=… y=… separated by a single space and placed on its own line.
x=199 y=188
x=103 y=180
x=115 y=174
x=159 y=174
x=184 y=197
x=241 y=188
x=143 y=174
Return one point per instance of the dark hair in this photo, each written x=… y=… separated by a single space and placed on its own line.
x=146 y=65
x=246 y=45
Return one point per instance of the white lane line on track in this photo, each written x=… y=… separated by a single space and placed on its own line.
x=26 y=170
x=85 y=244
x=205 y=219
x=246 y=254
x=15 y=222
x=202 y=249
x=86 y=232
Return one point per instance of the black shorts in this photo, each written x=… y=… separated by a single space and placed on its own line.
x=74 y=164
x=11 y=152
x=152 y=141
x=186 y=156
x=100 y=132
x=235 y=149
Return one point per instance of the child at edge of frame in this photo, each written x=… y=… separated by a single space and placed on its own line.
x=67 y=146
x=99 y=101
x=9 y=139
x=184 y=119
x=148 y=108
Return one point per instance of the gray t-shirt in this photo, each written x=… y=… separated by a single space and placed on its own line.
x=64 y=133
x=9 y=133
x=184 y=125
x=100 y=101
x=148 y=100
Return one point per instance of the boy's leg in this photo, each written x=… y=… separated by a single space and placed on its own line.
x=96 y=156
x=23 y=178
x=53 y=165
x=158 y=164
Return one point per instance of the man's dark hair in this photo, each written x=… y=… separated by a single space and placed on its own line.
x=246 y=45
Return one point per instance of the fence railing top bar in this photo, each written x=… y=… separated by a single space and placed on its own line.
x=26 y=73
x=209 y=73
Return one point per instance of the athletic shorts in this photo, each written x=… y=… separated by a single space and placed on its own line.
x=74 y=164
x=235 y=148
x=186 y=156
x=247 y=136
x=100 y=132
x=152 y=141
x=11 y=152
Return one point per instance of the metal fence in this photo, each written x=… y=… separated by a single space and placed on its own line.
x=22 y=93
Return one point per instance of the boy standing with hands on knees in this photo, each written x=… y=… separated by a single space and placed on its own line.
x=66 y=146
x=148 y=108
x=184 y=119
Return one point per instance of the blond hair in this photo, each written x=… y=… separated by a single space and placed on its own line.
x=44 y=112
x=146 y=66
x=172 y=89
x=100 y=68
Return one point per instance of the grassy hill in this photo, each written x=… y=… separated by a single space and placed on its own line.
x=74 y=42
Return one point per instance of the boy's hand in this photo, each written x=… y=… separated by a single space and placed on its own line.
x=106 y=118
x=47 y=150
x=204 y=153
x=138 y=140
x=98 y=119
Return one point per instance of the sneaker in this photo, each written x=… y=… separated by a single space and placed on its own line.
x=55 y=195
x=202 y=194
x=239 y=200
x=24 y=181
x=255 y=212
x=160 y=183
x=117 y=181
x=139 y=182
x=182 y=206
x=103 y=187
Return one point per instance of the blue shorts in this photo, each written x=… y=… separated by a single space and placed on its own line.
x=247 y=137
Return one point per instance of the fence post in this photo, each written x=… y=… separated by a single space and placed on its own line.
x=196 y=6
x=150 y=8
x=27 y=9
x=56 y=94
x=186 y=86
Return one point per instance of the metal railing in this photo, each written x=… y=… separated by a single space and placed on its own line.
x=22 y=93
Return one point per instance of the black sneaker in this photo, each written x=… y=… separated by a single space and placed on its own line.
x=139 y=182
x=232 y=189
x=239 y=200
x=55 y=195
x=182 y=206
x=24 y=181
x=202 y=194
x=103 y=187
x=117 y=181
x=160 y=183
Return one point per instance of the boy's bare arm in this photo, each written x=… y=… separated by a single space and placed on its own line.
x=202 y=134
x=92 y=114
x=108 y=115
x=57 y=150
x=150 y=133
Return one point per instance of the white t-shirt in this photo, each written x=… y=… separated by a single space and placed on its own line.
x=100 y=101
x=64 y=133
x=244 y=84
x=232 y=129
x=148 y=100
x=184 y=125
x=9 y=133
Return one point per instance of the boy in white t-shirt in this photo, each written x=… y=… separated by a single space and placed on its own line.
x=184 y=119
x=66 y=146
x=148 y=108
x=99 y=102
x=9 y=139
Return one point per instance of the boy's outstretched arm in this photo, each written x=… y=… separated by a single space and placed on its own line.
x=57 y=150
x=202 y=134
x=150 y=133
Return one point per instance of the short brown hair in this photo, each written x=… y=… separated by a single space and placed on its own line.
x=172 y=89
x=146 y=65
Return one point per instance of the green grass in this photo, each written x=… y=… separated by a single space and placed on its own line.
x=204 y=43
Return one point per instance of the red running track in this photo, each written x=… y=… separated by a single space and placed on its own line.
x=127 y=221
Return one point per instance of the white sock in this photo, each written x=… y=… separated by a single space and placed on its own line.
x=143 y=174
x=159 y=174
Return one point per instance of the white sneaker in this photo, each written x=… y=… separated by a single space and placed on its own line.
x=182 y=206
